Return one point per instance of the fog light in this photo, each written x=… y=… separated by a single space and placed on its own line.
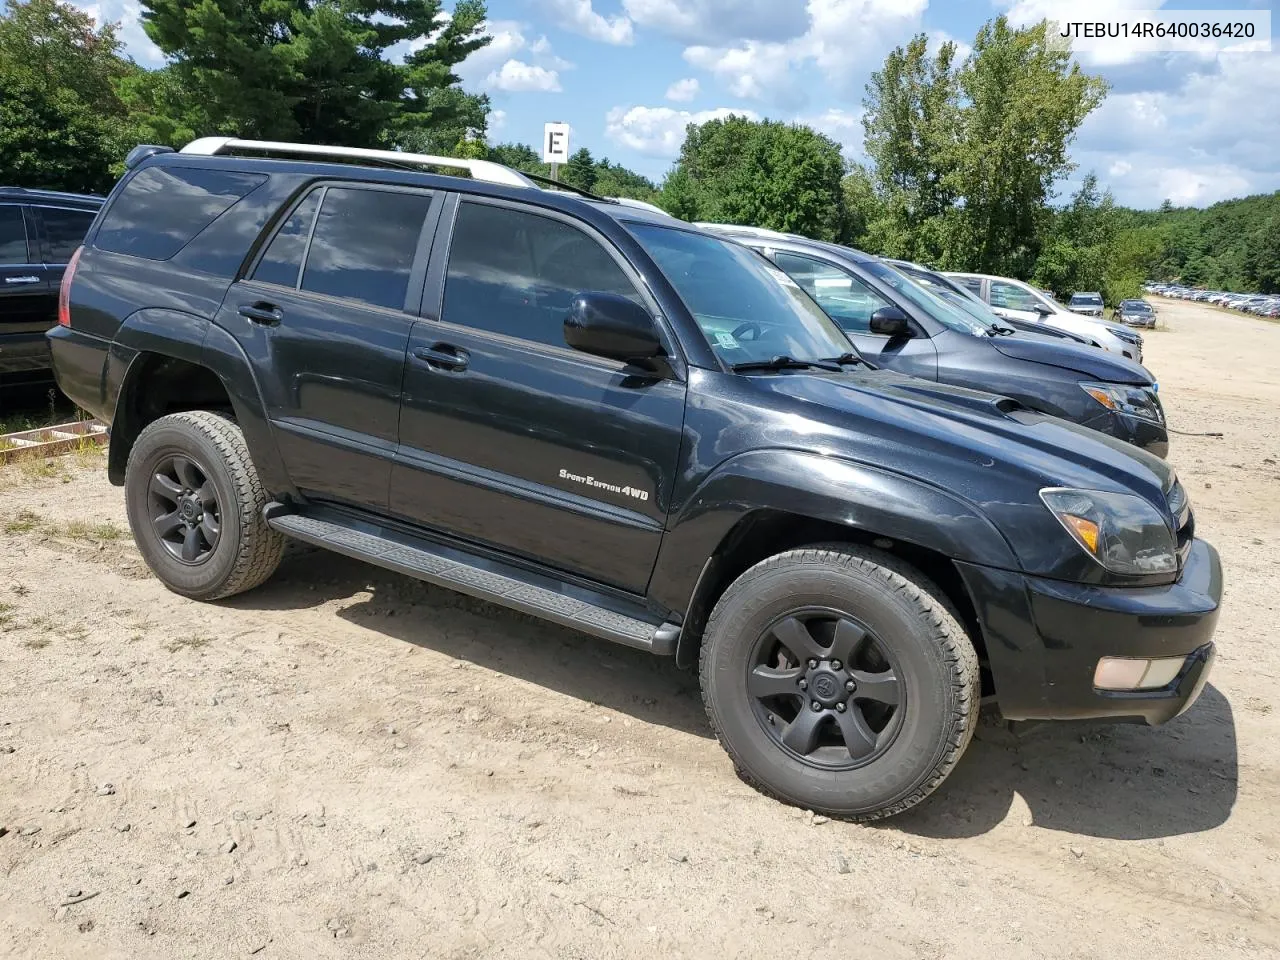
x=1126 y=673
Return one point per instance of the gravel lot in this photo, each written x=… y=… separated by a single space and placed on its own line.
x=346 y=763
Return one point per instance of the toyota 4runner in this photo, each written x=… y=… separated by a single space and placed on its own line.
x=610 y=419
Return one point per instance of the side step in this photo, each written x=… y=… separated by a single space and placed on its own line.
x=489 y=580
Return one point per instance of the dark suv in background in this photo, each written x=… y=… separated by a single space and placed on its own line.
x=39 y=231
x=610 y=419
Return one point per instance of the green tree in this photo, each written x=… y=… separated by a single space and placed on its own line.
x=317 y=70
x=1262 y=265
x=62 y=124
x=760 y=173
x=580 y=171
x=1023 y=102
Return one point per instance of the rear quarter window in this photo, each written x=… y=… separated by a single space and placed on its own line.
x=162 y=209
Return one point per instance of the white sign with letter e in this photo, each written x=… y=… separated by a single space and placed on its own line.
x=555 y=143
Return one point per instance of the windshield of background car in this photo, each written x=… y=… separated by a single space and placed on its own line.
x=1135 y=306
x=1086 y=300
x=747 y=308
x=920 y=297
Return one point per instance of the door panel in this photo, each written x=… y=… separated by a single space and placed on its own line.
x=850 y=302
x=511 y=439
x=326 y=332
x=27 y=303
x=63 y=230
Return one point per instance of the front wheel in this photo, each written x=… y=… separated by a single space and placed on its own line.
x=839 y=679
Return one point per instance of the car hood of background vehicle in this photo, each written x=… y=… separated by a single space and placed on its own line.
x=1090 y=361
x=955 y=438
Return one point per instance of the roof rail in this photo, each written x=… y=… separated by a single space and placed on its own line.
x=753 y=231
x=485 y=170
x=639 y=205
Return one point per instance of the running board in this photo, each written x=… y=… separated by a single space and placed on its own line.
x=498 y=583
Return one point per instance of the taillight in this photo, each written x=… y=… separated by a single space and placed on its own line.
x=64 y=291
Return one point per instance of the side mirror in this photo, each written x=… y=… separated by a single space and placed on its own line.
x=1043 y=310
x=607 y=325
x=890 y=321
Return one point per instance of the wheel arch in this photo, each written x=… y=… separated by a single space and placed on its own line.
x=166 y=361
x=775 y=501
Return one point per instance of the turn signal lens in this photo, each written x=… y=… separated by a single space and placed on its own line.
x=64 y=291
x=1102 y=396
x=1085 y=530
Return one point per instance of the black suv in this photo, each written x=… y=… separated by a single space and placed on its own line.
x=39 y=231
x=897 y=323
x=613 y=420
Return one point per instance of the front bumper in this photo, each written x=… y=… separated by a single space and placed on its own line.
x=1044 y=639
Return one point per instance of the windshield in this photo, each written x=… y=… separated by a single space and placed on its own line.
x=1131 y=306
x=1086 y=300
x=957 y=296
x=936 y=307
x=748 y=309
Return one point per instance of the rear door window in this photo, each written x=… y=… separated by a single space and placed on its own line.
x=282 y=263
x=13 y=235
x=64 y=230
x=364 y=244
x=163 y=208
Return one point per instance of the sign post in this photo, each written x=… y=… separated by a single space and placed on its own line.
x=555 y=146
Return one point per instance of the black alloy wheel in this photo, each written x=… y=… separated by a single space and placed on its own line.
x=183 y=505
x=826 y=689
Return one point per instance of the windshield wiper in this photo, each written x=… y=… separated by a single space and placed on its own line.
x=783 y=362
x=845 y=359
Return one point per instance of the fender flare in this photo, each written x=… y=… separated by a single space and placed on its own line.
x=867 y=500
x=176 y=335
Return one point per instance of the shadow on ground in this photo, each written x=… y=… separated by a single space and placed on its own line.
x=1122 y=782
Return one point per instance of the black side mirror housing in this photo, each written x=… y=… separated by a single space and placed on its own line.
x=611 y=326
x=890 y=321
x=1043 y=310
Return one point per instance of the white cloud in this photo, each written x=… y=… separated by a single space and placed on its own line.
x=516 y=76
x=682 y=91
x=511 y=63
x=938 y=37
x=842 y=126
x=578 y=16
x=720 y=21
x=1121 y=168
x=497 y=121
x=842 y=38
x=659 y=131
x=128 y=14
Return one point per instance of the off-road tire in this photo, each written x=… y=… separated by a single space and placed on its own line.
x=247 y=551
x=909 y=614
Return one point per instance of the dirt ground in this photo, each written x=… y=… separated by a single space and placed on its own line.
x=347 y=763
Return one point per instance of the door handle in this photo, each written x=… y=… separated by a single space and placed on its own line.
x=21 y=279
x=263 y=313
x=443 y=356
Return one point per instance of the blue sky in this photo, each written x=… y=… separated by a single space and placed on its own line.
x=629 y=74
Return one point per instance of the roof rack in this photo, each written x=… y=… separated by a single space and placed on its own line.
x=638 y=204
x=484 y=170
x=754 y=231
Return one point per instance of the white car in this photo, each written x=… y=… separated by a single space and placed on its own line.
x=1016 y=300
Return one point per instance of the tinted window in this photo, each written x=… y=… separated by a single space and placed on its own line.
x=941 y=310
x=516 y=273
x=1086 y=300
x=282 y=263
x=748 y=309
x=1009 y=297
x=64 y=230
x=973 y=283
x=364 y=245
x=161 y=209
x=847 y=300
x=13 y=236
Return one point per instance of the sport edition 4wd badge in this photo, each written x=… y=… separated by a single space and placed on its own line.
x=601 y=485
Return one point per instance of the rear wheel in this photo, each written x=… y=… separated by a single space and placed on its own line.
x=839 y=679
x=195 y=507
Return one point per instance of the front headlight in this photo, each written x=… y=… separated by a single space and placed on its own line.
x=1122 y=398
x=1128 y=336
x=1123 y=532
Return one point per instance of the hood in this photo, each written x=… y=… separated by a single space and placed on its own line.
x=1089 y=361
x=940 y=433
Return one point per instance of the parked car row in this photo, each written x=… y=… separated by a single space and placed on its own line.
x=1259 y=304
x=692 y=442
